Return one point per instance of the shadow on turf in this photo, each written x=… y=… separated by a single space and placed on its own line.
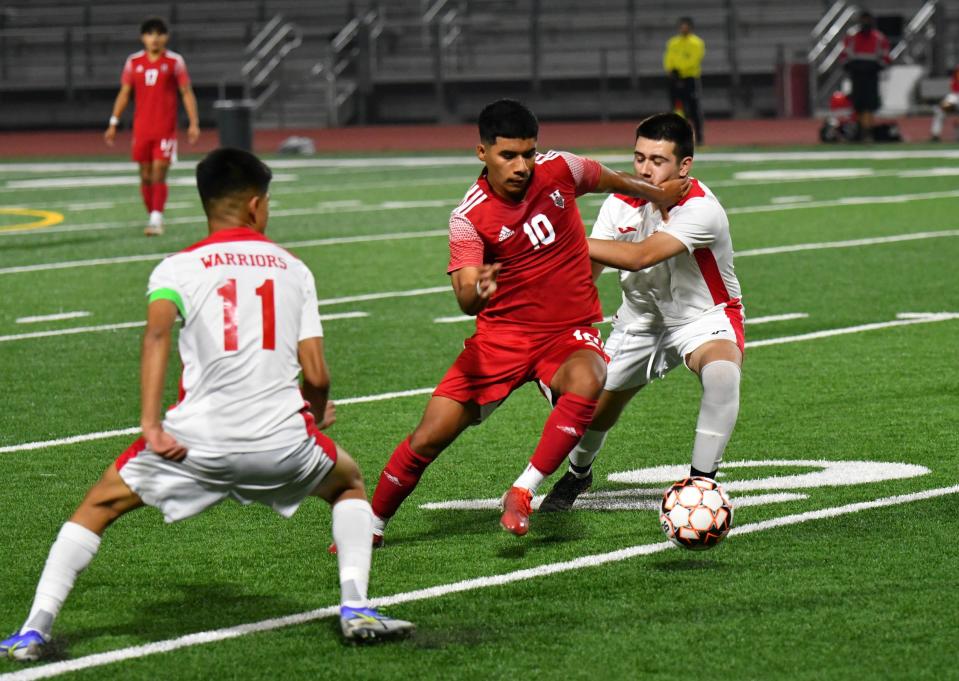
x=687 y=562
x=196 y=607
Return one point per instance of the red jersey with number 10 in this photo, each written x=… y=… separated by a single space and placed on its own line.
x=155 y=86
x=545 y=283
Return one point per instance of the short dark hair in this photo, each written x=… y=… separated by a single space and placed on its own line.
x=686 y=20
x=670 y=127
x=153 y=25
x=229 y=172
x=506 y=118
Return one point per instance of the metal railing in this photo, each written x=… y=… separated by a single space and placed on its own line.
x=347 y=68
x=265 y=55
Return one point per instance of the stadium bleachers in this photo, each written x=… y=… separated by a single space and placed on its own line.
x=558 y=51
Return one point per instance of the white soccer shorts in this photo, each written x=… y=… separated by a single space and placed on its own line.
x=280 y=479
x=642 y=354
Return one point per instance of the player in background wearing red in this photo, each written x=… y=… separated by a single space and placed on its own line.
x=154 y=75
x=865 y=53
x=241 y=428
x=949 y=104
x=681 y=304
x=520 y=264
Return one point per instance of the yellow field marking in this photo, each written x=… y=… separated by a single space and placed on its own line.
x=48 y=218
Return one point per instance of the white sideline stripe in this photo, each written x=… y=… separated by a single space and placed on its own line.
x=846 y=201
x=133 y=325
x=919 y=319
x=70 y=332
x=594 y=560
x=376 y=162
x=52 y=317
x=329 y=241
x=777 y=200
x=81 y=182
x=617 y=500
x=364 y=238
x=932 y=317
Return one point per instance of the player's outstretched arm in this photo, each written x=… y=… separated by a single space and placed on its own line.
x=119 y=106
x=474 y=286
x=316 y=380
x=633 y=256
x=189 y=103
x=161 y=315
x=665 y=196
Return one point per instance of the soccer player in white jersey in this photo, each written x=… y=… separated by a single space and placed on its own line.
x=681 y=304
x=241 y=428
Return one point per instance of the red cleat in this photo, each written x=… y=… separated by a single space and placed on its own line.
x=377 y=544
x=516 y=510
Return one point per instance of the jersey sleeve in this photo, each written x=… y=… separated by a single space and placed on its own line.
x=697 y=225
x=310 y=324
x=605 y=225
x=179 y=70
x=585 y=172
x=163 y=285
x=126 y=77
x=466 y=245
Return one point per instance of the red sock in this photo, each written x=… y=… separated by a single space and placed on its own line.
x=564 y=427
x=146 y=191
x=398 y=479
x=159 y=196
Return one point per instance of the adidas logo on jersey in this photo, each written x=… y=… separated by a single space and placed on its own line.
x=505 y=233
x=558 y=199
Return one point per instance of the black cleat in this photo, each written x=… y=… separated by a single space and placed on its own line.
x=565 y=491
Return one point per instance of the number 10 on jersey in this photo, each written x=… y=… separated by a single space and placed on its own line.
x=231 y=324
x=540 y=231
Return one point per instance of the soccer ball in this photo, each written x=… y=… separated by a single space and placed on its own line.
x=696 y=513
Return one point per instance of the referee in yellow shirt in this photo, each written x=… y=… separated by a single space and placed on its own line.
x=683 y=62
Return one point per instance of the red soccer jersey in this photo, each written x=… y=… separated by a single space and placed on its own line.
x=155 y=86
x=546 y=282
x=954 y=87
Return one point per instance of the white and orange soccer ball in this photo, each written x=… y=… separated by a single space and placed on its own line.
x=696 y=513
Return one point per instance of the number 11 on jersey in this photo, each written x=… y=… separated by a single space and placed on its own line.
x=230 y=324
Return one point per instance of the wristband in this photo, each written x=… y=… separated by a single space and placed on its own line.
x=114 y=120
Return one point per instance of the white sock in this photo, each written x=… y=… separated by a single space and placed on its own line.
x=353 y=534
x=379 y=525
x=718 y=412
x=584 y=453
x=73 y=549
x=530 y=479
x=156 y=217
x=938 y=116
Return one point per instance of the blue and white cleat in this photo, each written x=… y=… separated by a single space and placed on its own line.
x=365 y=625
x=26 y=647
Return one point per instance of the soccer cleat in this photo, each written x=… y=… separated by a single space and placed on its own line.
x=154 y=229
x=516 y=510
x=377 y=544
x=364 y=625
x=565 y=492
x=26 y=647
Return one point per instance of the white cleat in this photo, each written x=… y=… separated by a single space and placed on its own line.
x=366 y=625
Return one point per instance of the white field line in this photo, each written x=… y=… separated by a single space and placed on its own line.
x=778 y=200
x=82 y=182
x=338 y=207
x=146 y=257
x=365 y=238
x=618 y=500
x=455 y=319
x=463 y=586
x=919 y=319
x=409 y=293
x=376 y=162
x=133 y=325
x=52 y=317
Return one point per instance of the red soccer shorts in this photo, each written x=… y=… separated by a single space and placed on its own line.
x=494 y=363
x=149 y=149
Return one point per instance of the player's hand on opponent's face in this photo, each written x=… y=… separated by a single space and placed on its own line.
x=193 y=134
x=163 y=444
x=673 y=192
x=486 y=284
x=110 y=135
x=329 y=415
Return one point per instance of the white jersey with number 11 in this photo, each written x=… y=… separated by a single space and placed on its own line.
x=246 y=303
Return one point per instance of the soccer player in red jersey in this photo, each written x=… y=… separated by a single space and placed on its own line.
x=154 y=75
x=519 y=262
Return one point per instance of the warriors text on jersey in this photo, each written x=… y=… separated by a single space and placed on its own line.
x=246 y=303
